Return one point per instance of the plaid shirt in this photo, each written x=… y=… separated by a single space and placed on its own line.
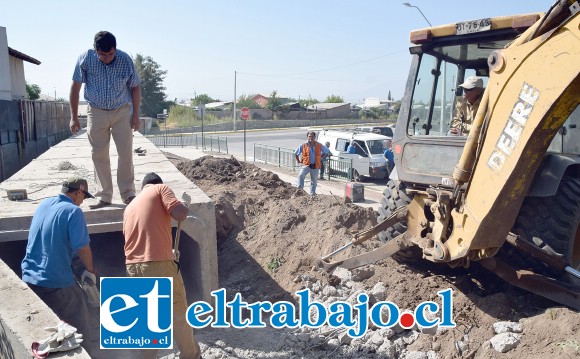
x=107 y=87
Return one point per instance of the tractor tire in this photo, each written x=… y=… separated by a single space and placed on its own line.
x=555 y=221
x=394 y=196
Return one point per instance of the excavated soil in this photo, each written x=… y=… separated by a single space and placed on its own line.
x=269 y=234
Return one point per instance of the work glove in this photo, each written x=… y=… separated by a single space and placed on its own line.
x=88 y=278
x=60 y=331
x=89 y=285
x=44 y=347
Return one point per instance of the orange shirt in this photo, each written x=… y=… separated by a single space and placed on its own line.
x=147 y=225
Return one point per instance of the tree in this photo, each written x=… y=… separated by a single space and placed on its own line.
x=246 y=101
x=33 y=91
x=274 y=101
x=334 y=99
x=152 y=90
x=397 y=106
x=304 y=103
x=389 y=96
x=202 y=99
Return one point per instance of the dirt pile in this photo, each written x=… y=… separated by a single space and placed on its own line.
x=269 y=233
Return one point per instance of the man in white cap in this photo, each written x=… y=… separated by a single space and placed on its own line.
x=466 y=108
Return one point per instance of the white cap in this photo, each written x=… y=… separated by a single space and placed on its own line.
x=472 y=82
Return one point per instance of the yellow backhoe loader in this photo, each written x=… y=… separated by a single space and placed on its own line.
x=507 y=194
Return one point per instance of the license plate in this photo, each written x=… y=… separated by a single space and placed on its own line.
x=469 y=27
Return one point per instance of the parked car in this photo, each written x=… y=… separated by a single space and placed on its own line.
x=368 y=161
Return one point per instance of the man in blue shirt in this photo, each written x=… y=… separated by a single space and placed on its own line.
x=351 y=147
x=389 y=156
x=58 y=231
x=309 y=155
x=114 y=96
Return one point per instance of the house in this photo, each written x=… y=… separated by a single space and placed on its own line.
x=12 y=80
x=218 y=106
x=292 y=106
x=332 y=110
x=374 y=103
x=262 y=99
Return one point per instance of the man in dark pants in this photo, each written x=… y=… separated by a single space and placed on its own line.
x=58 y=231
x=114 y=96
x=324 y=161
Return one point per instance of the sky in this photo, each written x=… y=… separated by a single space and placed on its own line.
x=300 y=48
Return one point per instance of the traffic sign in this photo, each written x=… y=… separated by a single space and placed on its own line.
x=245 y=113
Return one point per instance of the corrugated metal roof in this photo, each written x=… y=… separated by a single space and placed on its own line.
x=21 y=56
x=327 y=105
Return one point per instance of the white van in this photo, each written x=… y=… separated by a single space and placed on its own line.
x=368 y=161
x=381 y=130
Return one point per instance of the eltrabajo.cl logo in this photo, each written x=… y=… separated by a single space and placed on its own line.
x=136 y=313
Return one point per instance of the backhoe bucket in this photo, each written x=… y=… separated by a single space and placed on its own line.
x=382 y=252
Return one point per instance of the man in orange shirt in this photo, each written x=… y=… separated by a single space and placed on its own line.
x=148 y=251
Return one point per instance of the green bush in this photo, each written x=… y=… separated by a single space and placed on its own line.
x=182 y=116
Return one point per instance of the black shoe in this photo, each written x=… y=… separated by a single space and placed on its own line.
x=100 y=204
x=128 y=200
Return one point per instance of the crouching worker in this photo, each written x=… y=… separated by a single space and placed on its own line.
x=58 y=231
x=148 y=251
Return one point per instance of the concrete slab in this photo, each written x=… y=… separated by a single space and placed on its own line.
x=43 y=177
x=22 y=319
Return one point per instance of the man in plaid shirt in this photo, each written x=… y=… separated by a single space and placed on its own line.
x=114 y=96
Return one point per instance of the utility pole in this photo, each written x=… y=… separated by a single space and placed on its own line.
x=235 y=97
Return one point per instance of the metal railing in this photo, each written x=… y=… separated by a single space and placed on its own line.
x=280 y=156
x=337 y=167
x=212 y=143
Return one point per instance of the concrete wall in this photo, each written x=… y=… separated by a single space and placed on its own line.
x=22 y=318
x=17 y=78
x=5 y=78
x=265 y=114
x=27 y=129
x=42 y=179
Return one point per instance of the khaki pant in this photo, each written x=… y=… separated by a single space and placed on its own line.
x=182 y=332
x=101 y=124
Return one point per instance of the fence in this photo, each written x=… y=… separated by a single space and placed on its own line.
x=27 y=129
x=337 y=167
x=213 y=143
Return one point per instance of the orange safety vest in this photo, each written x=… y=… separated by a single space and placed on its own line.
x=317 y=154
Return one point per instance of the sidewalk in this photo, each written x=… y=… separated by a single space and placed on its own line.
x=334 y=187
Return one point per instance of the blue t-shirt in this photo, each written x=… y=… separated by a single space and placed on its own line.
x=58 y=230
x=351 y=149
x=389 y=155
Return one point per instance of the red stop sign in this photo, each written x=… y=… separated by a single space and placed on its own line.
x=245 y=113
